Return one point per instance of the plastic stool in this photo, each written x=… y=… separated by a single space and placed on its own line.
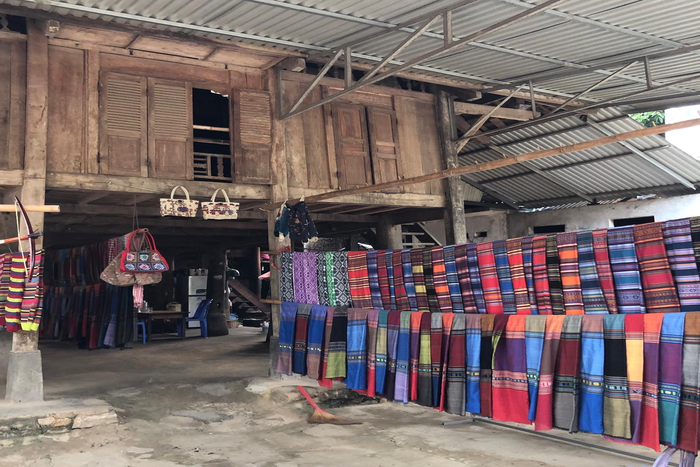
x=142 y=325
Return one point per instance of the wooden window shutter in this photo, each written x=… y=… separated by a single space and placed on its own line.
x=351 y=145
x=123 y=125
x=13 y=91
x=252 y=125
x=383 y=136
x=170 y=129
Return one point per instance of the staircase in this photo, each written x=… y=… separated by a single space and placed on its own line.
x=416 y=236
x=250 y=310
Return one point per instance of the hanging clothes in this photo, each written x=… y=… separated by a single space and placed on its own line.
x=594 y=302
x=358 y=279
x=556 y=291
x=336 y=366
x=670 y=376
x=566 y=376
x=634 y=341
x=402 y=302
x=384 y=288
x=447 y=320
x=489 y=278
x=570 y=278
x=473 y=360
x=330 y=278
x=475 y=278
x=517 y=273
x=592 y=375
x=435 y=357
x=442 y=289
x=602 y=265
x=322 y=279
x=486 y=364
x=393 y=330
x=301 y=327
x=340 y=278
x=409 y=284
x=660 y=294
x=527 y=247
x=452 y=276
x=649 y=436
x=372 y=334
x=510 y=381
x=288 y=312
x=286 y=277
x=429 y=277
x=539 y=273
x=415 y=355
x=534 y=342
x=325 y=381
x=625 y=269
x=389 y=261
x=456 y=358
x=419 y=280
x=465 y=291
x=356 y=349
x=424 y=362
x=373 y=276
x=382 y=351
x=314 y=351
x=616 y=421
x=681 y=258
x=689 y=421
x=403 y=356
x=545 y=396
x=305 y=277
x=505 y=282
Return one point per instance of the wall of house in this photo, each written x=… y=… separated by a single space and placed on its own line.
x=492 y=222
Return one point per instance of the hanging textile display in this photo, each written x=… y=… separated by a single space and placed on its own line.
x=660 y=294
x=314 y=348
x=465 y=288
x=570 y=279
x=489 y=279
x=603 y=269
x=475 y=278
x=510 y=382
x=592 y=379
x=649 y=436
x=452 y=276
x=679 y=247
x=389 y=261
x=392 y=347
x=517 y=274
x=593 y=299
x=414 y=354
x=544 y=416
x=286 y=277
x=301 y=326
x=689 y=422
x=373 y=276
x=534 y=342
x=540 y=278
x=447 y=320
x=616 y=420
x=425 y=383
x=566 y=375
x=473 y=361
x=340 y=278
x=324 y=297
x=505 y=281
x=422 y=301
x=625 y=268
x=527 y=247
x=358 y=279
x=372 y=328
x=442 y=290
x=383 y=280
x=403 y=355
x=556 y=291
x=356 y=349
x=409 y=284
x=429 y=278
x=435 y=357
x=670 y=376
x=486 y=364
x=456 y=380
x=382 y=351
x=288 y=312
x=400 y=288
x=305 y=281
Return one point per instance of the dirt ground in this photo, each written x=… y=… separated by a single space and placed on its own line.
x=210 y=403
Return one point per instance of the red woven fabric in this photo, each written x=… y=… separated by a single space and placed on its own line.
x=539 y=270
x=602 y=265
x=358 y=278
x=517 y=275
x=660 y=295
x=489 y=278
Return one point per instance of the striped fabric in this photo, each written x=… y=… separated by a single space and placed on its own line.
x=534 y=342
x=566 y=376
x=414 y=354
x=288 y=312
x=670 y=379
x=336 y=364
x=322 y=279
x=456 y=358
x=392 y=347
x=325 y=381
x=489 y=278
x=510 y=380
x=527 y=246
x=695 y=235
x=356 y=350
x=13 y=303
x=373 y=275
x=442 y=290
x=301 y=327
x=424 y=362
x=556 y=292
x=403 y=356
x=570 y=279
x=358 y=279
x=689 y=424
x=616 y=404
x=401 y=295
x=634 y=342
x=594 y=302
x=504 y=280
x=429 y=277
x=305 y=277
x=517 y=274
x=32 y=297
x=435 y=357
x=486 y=364
x=5 y=262
x=389 y=261
x=539 y=273
x=660 y=294
x=383 y=276
x=447 y=320
x=465 y=283
x=625 y=269
x=409 y=282
x=545 y=395
x=473 y=359
x=602 y=264
x=592 y=380
x=649 y=436
x=451 y=271
x=314 y=349
x=286 y=277
x=681 y=258
x=372 y=328
x=419 y=280
x=382 y=351
x=475 y=278
x=330 y=278
x=340 y=278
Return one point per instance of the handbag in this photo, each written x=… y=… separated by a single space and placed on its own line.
x=215 y=210
x=178 y=207
x=137 y=259
x=112 y=275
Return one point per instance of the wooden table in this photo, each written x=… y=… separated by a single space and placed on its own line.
x=150 y=316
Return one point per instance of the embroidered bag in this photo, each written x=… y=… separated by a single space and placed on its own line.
x=178 y=207
x=137 y=259
x=215 y=210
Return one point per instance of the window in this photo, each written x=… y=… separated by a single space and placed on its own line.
x=632 y=221
x=212 y=136
x=547 y=229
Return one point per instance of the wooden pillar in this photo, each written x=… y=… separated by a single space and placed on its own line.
x=389 y=236
x=455 y=223
x=24 y=374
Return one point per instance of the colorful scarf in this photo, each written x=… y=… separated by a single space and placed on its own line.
x=382 y=351
x=456 y=379
x=400 y=291
x=325 y=381
x=288 y=314
x=393 y=329
x=602 y=264
x=464 y=285
x=616 y=404
x=556 y=292
x=452 y=275
x=517 y=274
x=625 y=269
x=435 y=357
x=403 y=356
x=594 y=302
x=13 y=303
x=305 y=278
x=429 y=277
x=527 y=245
x=486 y=364
x=475 y=278
x=372 y=325
x=358 y=279
x=489 y=278
x=425 y=384
x=649 y=436
x=330 y=278
x=510 y=380
x=592 y=375
x=689 y=426
x=340 y=278
x=500 y=254
x=566 y=376
x=473 y=347
x=384 y=288
x=409 y=284
x=389 y=261
x=419 y=280
x=670 y=376
x=570 y=279
x=660 y=294
x=357 y=349
x=447 y=320
x=679 y=247
x=301 y=327
x=336 y=366
x=634 y=339
x=314 y=350
x=286 y=277
x=373 y=275
x=534 y=342
x=442 y=290
x=322 y=279
x=33 y=296
x=415 y=354
x=539 y=272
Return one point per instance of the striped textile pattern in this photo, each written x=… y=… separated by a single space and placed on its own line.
x=428 y=275
x=425 y=383
x=13 y=302
x=592 y=376
x=356 y=349
x=5 y=264
x=475 y=278
x=373 y=275
x=383 y=277
x=616 y=404
x=33 y=296
x=358 y=280
x=301 y=329
x=336 y=366
x=409 y=284
x=288 y=312
x=504 y=280
x=534 y=342
x=545 y=395
x=415 y=355
x=403 y=356
x=486 y=364
x=670 y=376
x=602 y=265
x=401 y=295
x=435 y=357
x=681 y=258
x=527 y=246
x=442 y=290
x=372 y=332
x=489 y=278
x=625 y=269
x=382 y=350
x=465 y=283
x=451 y=271
x=389 y=261
x=695 y=235
x=456 y=358
x=325 y=381
x=570 y=279
x=594 y=302
x=473 y=360
x=689 y=424
x=556 y=292
x=517 y=274
x=650 y=396
x=510 y=381
x=392 y=347
x=447 y=320
x=314 y=349
x=539 y=273
x=660 y=294
x=419 y=280
x=566 y=376
x=634 y=341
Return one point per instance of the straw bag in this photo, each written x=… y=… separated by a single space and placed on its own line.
x=141 y=256
x=178 y=207
x=215 y=210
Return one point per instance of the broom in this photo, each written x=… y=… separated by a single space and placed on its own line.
x=321 y=416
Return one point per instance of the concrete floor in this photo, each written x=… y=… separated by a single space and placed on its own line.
x=210 y=403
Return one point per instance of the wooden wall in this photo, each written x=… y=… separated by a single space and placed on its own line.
x=13 y=92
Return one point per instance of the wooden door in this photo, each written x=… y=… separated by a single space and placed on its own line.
x=351 y=145
x=170 y=129
x=252 y=124
x=123 y=129
x=384 y=145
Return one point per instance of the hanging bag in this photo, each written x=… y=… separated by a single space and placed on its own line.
x=142 y=256
x=215 y=210
x=178 y=207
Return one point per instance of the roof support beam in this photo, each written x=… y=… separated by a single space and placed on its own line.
x=464 y=139
x=468 y=108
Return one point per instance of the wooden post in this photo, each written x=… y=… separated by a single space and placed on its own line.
x=24 y=373
x=455 y=223
x=389 y=236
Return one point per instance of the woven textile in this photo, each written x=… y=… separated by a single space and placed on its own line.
x=330 y=278
x=392 y=348
x=358 y=279
x=453 y=277
x=288 y=314
x=489 y=278
x=689 y=424
x=570 y=278
x=373 y=275
x=400 y=294
x=545 y=395
x=670 y=376
x=539 y=273
x=336 y=366
x=473 y=360
x=466 y=290
x=384 y=288
x=382 y=350
x=314 y=350
x=486 y=364
x=442 y=290
x=389 y=261
x=556 y=292
x=424 y=362
x=695 y=234
x=625 y=269
x=13 y=303
x=429 y=278
x=602 y=265
x=510 y=382
x=616 y=404
x=322 y=279
x=419 y=280
x=517 y=274
x=456 y=380
x=475 y=278
x=500 y=254
x=32 y=296
x=534 y=341
x=566 y=376
x=5 y=263
x=286 y=277
x=592 y=379
x=305 y=277
x=527 y=246
x=357 y=349
x=372 y=325
x=415 y=355
x=649 y=436
x=594 y=302
x=403 y=356
x=634 y=340
x=660 y=294
x=340 y=278
x=447 y=320
x=301 y=327
x=681 y=258
x=409 y=283
x=325 y=381
x=435 y=357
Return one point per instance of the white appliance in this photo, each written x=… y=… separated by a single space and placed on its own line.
x=196 y=291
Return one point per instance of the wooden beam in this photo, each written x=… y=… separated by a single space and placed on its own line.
x=409 y=200
x=93 y=197
x=295 y=64
x=30 y=208
x=11 y=177
x=468 y=108
x=464 y=126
